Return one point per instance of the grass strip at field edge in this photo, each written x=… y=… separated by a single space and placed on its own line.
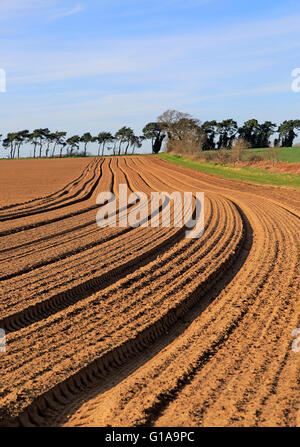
x=248 y=175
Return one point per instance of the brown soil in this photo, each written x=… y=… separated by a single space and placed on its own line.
x=281 y=166
x=24 y=180
x=141 y=326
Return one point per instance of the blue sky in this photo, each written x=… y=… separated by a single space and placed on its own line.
x=96 y=65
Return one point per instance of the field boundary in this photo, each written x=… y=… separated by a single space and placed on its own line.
x=245 y=174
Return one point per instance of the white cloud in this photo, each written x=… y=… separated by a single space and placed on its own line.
x=161 y=59
x=77 y=9
x=230 y=51
x=10 y=9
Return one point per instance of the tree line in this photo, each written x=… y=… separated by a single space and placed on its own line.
x=172 y=126
x=182 y=128
x=50 y=144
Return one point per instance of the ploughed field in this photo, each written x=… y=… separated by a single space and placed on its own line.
x=25 y=180
x=143 y=326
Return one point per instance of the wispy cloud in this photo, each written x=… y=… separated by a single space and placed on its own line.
x=77 y=9
x=159 y=58
x=12 y=8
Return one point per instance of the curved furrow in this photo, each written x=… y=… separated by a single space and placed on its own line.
x=286 y=198
x=133 y=411
x=196 y=408
x=97 y=281
x=271 y=338
x=39 y=224
x=170 y=373
x=31 y=238
x=254 y=357
x=84 y=193
x=53 y=244
x=71 y=192
x=49 y=306
x=33 y=234
x=18 y=262
x=170 y=257
x=90 y=256
x=64 y=190
x=34 y=221
x=181 y=302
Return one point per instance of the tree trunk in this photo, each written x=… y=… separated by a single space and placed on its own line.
x=47 y=149
x=158 y=143
x=53 y=150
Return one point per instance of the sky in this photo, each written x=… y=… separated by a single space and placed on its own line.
x=94 y=65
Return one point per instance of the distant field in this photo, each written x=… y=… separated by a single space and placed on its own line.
x=246 y=174
x=287 y=154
